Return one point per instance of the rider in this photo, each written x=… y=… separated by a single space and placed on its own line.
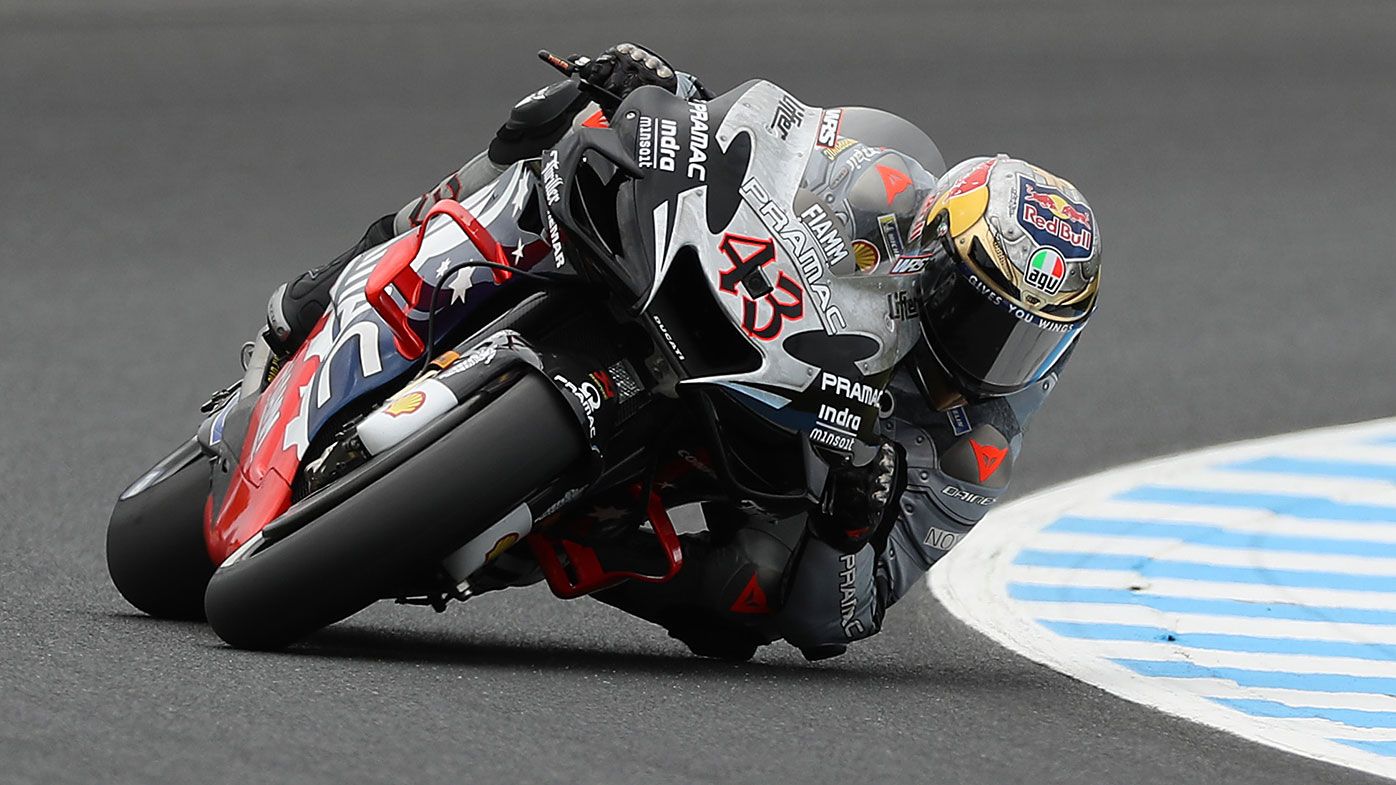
x=1007 y=257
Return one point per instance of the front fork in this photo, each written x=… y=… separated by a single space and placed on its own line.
x=595 y=395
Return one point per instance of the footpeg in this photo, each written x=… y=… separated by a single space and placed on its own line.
x=584 y=573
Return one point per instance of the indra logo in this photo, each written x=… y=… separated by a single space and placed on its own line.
x=1055 y=221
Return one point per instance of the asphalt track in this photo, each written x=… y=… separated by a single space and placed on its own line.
x=164 y=164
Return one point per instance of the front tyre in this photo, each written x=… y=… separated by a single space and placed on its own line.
x=408 y=520
x=155 y=541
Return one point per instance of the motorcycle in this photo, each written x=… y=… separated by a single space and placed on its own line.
x=456 y=395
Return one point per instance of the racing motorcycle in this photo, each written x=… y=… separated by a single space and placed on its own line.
x=475 y=376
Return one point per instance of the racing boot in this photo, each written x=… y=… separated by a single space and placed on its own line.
x=724 y=601
x=295 y=307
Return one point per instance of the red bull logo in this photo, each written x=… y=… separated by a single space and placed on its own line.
x=974 y=178
x=1054 y=220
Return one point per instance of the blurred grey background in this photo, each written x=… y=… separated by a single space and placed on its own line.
x=164 y=164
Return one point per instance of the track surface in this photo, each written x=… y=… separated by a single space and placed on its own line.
x=162 y=166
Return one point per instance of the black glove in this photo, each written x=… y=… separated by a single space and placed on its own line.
x=623 y=68
x=537 y=122
x=860 y=502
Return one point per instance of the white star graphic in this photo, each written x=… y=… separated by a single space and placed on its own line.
x=297 y=434
x=459 y=285
x=518 y=252
x=440 y=271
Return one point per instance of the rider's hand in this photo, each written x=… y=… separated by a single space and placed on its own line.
x=623 y=68
x=860 y=502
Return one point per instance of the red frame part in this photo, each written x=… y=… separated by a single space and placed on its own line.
x=396 y=268
x=590 y=575
x=260 y=490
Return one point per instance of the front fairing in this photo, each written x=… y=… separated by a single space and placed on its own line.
x=719 y=185
x=351 y=360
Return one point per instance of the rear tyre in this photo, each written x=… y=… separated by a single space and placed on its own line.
x=401 y=524
x=155 y=540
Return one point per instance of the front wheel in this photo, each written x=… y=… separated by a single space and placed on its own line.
x=409 y=519
x=155 y=542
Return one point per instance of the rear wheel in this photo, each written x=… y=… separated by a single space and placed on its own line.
x=404 y=522
x=155 y=540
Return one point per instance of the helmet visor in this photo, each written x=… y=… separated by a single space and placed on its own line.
x=986 y=341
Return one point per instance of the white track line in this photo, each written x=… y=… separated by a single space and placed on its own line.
x=972 y=582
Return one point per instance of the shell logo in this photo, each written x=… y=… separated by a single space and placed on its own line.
x=866 y=256
x=407 y=404
x=505 y=543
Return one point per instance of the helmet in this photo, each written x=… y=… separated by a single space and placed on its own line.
x=1009 y=259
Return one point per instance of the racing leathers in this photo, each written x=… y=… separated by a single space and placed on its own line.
x=755 y=577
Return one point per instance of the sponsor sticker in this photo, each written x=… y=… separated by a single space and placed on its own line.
x=480 y=355
x=503 y=544
x=1018 y=311
x=603 y=382
x=752 y=599
x=956 y=492
x=407 y=404
x=894 y=181
x=552 y=191
x=829 y=122
x=1046 y=271
x=974 y=179
x=902 y=306
x=908 y=265
x=698 y=141
x=748 y=256
x=988 y=457
x=848 y=596
x=959 y=421
x=865 y=394
x=866 y=256
x=657 y=143
x=842 y=144
x=1053 y=220
x=644 y=141
x=587 y=395
x=812 y=243
x=839 y=442
x=891 y=235
x=789 y=113
x=942 y=540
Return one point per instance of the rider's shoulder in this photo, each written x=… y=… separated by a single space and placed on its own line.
x=972 y=445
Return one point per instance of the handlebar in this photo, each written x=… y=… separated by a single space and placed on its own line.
x=573 y=67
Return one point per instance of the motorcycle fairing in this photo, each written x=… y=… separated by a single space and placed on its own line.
x=771 y=273
x=351 y=353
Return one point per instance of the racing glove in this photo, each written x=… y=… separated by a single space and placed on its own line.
x=860 y=502
x=540 y=119
x=622 y=69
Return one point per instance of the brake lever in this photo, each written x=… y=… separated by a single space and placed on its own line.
x=567 y=67
x=574 y=68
